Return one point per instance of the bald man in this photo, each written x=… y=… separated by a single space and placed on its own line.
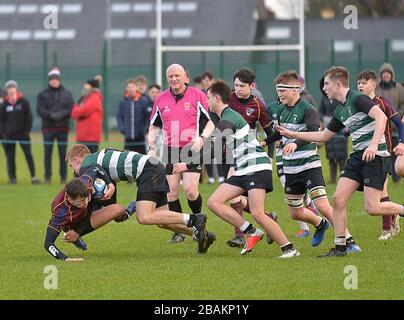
x=182 y=114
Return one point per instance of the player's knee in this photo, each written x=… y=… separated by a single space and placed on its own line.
x=117 y=209
x=173 y=194
x=212 y=204
x=191 y=192
x=338 y=202
x=143 y=218
x=372 y=209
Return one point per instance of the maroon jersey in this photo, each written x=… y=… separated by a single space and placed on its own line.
x=384 y=104
x=64 y=214
x=252 y=110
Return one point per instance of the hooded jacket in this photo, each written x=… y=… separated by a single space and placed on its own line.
x=132 y=116
x=392 y=91
x=89 y=118
x=54 y=106
x=15 y=119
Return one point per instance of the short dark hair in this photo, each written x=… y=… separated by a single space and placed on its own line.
x=76 y=188
x=245 y=75
x=197 y=79
x=338 y=73
x=221 y=89
x=207 y=74
x=367 y=75
x=155 y=85
x=288 y=77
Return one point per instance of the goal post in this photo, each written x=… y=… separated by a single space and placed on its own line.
x=160 y=48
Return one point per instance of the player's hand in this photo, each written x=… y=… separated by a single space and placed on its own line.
x=180 y=167
x=370 y=153
x=289 y=148
x=263 y=144
x=74 y=260
x=284 y=132
x=152 y=151
x=198 y=144
x=110 y=192
x=71 y=236
x=399 y=149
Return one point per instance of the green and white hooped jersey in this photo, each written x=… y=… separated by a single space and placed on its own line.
x=360 y=126
x=248 y=155
x=293 y=118
x=272 y=109
x=120 y=165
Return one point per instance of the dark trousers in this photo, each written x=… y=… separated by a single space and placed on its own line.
x=137 y=145
x=333 y=168
x=396 y=178
x=92 y=146
x=9 y=149
x=61 y=138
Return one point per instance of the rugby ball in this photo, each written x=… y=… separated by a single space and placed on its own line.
x=99 y=188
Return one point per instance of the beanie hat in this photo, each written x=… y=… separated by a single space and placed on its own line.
x=54 y=73
x=95 y=82
x=11 y=83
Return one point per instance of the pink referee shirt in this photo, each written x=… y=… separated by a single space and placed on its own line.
x=181 y=119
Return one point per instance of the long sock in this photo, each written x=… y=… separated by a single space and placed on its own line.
x=238 y=206
x=175 y=206
x=386 y=219
x=287 y=246
x=247 y=228
x=340 y=243
x=196 y=205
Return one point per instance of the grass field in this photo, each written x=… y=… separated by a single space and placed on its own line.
x=130 y=261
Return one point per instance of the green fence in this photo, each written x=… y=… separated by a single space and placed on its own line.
x=319 y=56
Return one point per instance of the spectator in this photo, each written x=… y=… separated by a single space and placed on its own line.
x=153 y=91
x=256 y=92
x=88 y=113
x=207 y=79
x=54 y=105
x=132 y=118
x=305 y=95
x=2 y=95
x=198 y=83
x=15 y=125
x=142 y=83
x=336 y=149
x=394 y=92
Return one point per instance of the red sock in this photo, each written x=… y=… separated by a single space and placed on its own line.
x=386 y=219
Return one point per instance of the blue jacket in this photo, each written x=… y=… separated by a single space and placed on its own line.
x=132 y=117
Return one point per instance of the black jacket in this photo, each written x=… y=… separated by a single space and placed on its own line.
x=15 y=120
x=54 y=107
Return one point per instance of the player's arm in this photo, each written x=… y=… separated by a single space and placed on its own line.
x=209 y=151
x=49 y=244
x=156 y=124
x=102 y=174
x=318 y=136
x=399 y=149
x=366 y=105
x=312 y=121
